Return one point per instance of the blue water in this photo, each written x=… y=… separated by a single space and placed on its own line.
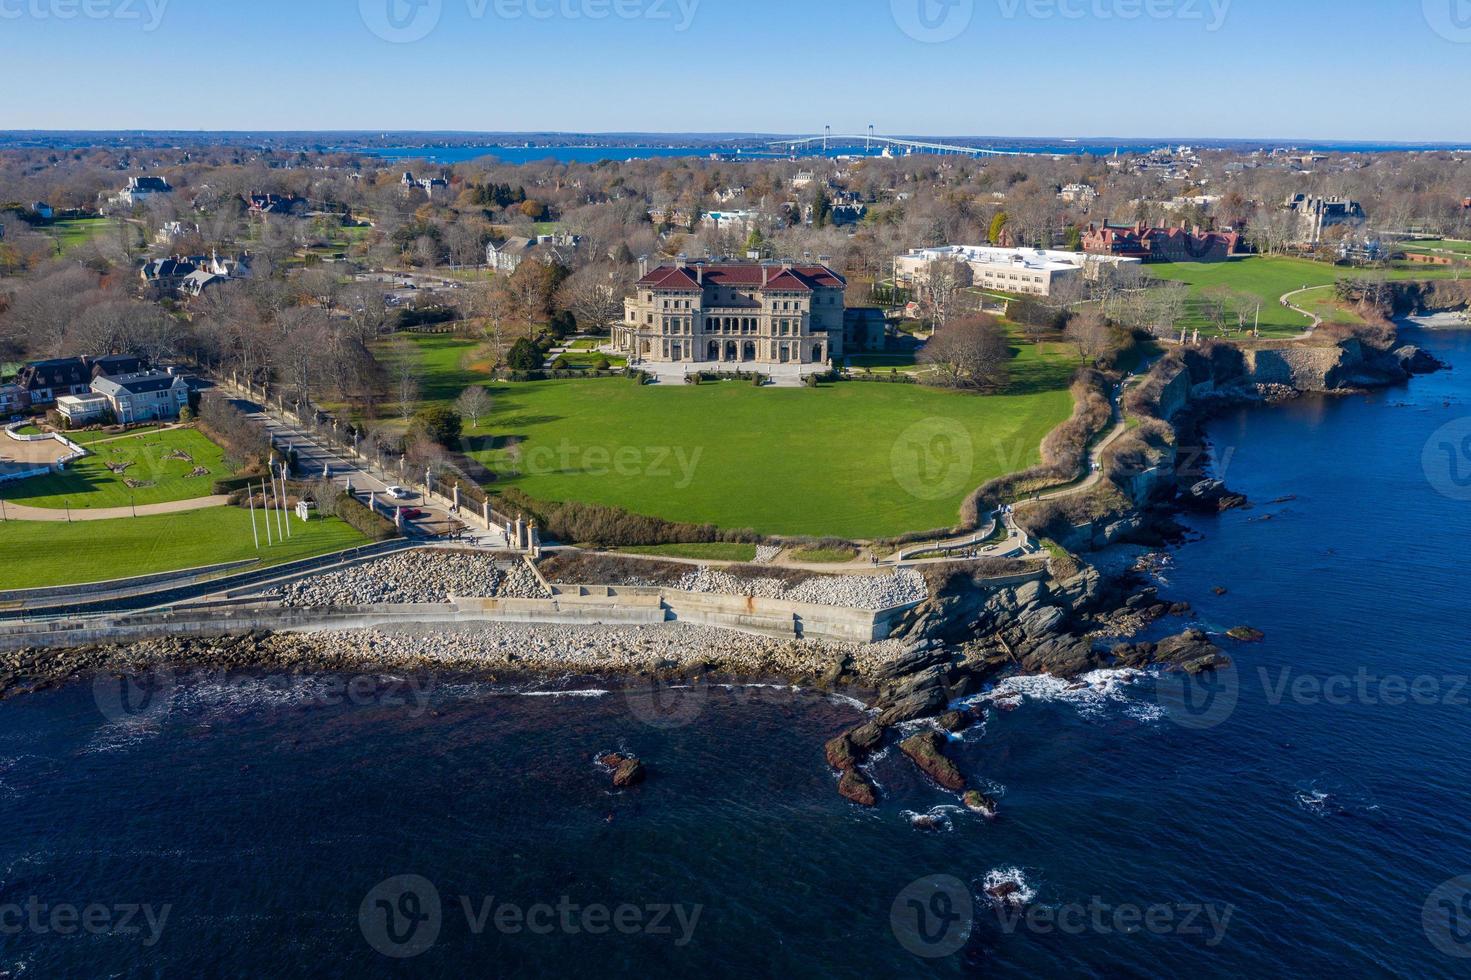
x=1315 y=828
x=594 y=154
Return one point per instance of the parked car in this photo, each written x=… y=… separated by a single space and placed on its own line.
x=413 y=515
x=398 y=493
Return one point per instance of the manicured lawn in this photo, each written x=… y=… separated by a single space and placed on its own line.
x=1269 y=278
x=1324 y=302
x=713 y=551
x=156 y=461
x=73 y=232
x=586 y=359
x=34 y=555
x=851 y=460
x=98 y=435
x=444 y=365
x=1438 y=245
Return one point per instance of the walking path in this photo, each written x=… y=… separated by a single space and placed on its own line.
x=1317 y=320
x=19 y=512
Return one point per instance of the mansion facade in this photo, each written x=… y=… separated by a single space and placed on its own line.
x=734 y=314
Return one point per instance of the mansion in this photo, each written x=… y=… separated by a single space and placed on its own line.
x=742 y=315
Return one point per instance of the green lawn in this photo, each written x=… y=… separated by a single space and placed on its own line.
x=849 y=460
x=90 y=436
x=713 y=551
x=587 y=359
x=1438 y=245
x=1269 y=278
x=34 y=555
x=73 y=232
x=89 y=484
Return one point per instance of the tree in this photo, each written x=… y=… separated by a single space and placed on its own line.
x=1089 y=334
x=998 y=226
x=942 y=280
x=404 y=358
x=969 y=352
x=474 y=404
x=524 y=356
x=438 y=425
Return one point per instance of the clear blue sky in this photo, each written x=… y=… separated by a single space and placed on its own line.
x=1309 y=69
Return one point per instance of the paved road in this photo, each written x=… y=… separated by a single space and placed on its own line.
x=314 y=454
x=18 y=512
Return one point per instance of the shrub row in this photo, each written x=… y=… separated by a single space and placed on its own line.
x=596 y=524
x=369 y=522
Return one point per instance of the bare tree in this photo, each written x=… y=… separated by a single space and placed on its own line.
x=969 y=352
x=404 y=365
x=474 y=404
x=1089 y=334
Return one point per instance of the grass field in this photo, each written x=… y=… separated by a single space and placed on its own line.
x=1438 y=245
x=73 y=232
x=89 y=484
x=90 y=436
x=713 y=551
x=35 y=555
x=824 y=556
x=1269 y=278
x=849 y=460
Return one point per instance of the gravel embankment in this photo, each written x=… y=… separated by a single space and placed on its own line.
x=852 y=591
x=411 y=578
x=495 y=649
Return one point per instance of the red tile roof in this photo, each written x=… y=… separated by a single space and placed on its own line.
x=801 y=278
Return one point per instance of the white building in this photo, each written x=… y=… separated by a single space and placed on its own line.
x=1030 y=271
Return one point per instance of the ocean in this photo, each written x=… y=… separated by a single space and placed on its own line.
x=446 y=155
x=1309 y=814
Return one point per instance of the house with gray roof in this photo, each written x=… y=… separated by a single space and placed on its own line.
x=145 y=396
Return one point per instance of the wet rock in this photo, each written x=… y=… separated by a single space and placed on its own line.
x=630 y=772
x=1246 y=634
x=926 y=821
x=867 y=738
x=841 y=754
x=1005 y=892
x=1415 y=360
x=925 y=704
x=858 y=788
x=978 y=802
x=927 y=751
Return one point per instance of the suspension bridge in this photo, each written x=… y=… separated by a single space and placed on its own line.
x=870 y=139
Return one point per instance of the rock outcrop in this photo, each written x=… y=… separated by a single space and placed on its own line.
x=927 y=751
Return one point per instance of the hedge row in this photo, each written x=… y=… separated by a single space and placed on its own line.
x=369 y=522
x=581 y=523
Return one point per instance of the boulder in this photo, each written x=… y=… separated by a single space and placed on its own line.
x=627 y=771
x=867 y=737
x=956 y=721
x=1246 y=634
x=1415 y=360
x=857 y=788
x=841 y=754
x=927 y=751
x=914 y=662
x=978 y=802
x=1004 y=892
x=924 y=704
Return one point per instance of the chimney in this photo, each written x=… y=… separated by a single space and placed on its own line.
x=681 y=260
x=700 y=274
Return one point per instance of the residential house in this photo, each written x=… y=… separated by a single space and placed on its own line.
x=427 y=184
x=12 y=400
x=1315 y=215
x=43 y=382
x=167 y=274
x=173 y=230
x=140 y=189
x=507 y=255
x=115 y=364
x=144 y=397
x=259 y=205
x=1080 y=194
x=79 y=410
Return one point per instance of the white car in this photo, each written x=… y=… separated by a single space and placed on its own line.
x=398 y=493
